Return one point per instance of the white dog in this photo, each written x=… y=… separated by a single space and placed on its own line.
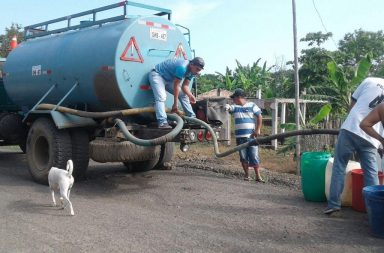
x=62 y=181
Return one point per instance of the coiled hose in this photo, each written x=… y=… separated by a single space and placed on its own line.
x=153 y=142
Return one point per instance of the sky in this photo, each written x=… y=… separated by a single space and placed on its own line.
x=223 y=31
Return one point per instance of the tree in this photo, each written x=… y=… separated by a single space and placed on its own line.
x=206 y=83
x=282 y=85
x=355 y=46
x=317 y=38
x=313 y=70
x=5 y=39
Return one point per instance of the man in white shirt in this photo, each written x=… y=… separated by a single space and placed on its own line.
x=353 y=139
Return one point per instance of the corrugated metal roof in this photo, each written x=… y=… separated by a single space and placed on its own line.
x=215 y=93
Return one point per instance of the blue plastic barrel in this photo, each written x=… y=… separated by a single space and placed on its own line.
x=374 y=202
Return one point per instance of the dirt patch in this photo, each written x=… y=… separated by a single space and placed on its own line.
x=276 y=168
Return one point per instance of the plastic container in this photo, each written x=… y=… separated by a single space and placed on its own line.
x=346 y=195
x=374 y=200
x=357 y=189
x=313 y=175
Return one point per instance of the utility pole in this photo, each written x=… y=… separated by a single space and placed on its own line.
x=297 y=87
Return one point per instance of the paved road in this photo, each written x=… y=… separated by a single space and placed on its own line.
x=182 y=210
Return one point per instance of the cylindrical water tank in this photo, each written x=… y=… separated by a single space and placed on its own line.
x=110 y=63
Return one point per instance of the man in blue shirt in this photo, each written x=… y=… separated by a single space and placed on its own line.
x=173 y=75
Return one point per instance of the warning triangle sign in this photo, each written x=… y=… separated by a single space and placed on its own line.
x=132 y=52
x=180 y=52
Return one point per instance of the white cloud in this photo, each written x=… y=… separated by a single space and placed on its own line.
x=186 y=12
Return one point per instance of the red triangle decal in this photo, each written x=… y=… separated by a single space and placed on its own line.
x=132 y=52
x=180 y=52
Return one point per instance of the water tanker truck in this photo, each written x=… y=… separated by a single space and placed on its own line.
x=76 y=92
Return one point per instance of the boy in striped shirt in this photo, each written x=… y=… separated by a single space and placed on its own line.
x=248 y=122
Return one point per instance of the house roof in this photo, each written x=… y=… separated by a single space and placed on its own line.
x=215 y=93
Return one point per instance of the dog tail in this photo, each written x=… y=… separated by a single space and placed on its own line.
x=70 y=167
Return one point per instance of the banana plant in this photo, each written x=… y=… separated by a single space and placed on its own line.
x=226 y=81
x=251 y=78
x=290 y=144
x=341 y=87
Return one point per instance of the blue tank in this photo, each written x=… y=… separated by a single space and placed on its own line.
x=109 y=62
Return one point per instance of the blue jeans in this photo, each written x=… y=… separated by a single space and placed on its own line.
x=249 y=155
x=347 y=143
x=159 y=87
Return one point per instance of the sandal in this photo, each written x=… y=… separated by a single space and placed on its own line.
x=247 y=178
x=260 y=180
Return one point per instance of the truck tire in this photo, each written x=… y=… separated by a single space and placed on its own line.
x=2 y=114
x=12 y=129
x=110 y=150
x=47 y=147
x=80 y=153
x=166 y=154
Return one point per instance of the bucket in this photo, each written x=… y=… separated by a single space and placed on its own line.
x=357 y=189
x=313 y=175
x=374 y=199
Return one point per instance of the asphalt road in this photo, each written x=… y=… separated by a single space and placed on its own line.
x=182 y=210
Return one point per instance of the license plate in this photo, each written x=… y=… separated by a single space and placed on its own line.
x=158 y=34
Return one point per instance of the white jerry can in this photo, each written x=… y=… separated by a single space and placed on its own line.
x=346 y=196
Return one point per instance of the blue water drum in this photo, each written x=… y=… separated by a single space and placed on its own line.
x=374 y=202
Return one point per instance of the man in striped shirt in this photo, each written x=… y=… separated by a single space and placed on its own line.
x=248 y=122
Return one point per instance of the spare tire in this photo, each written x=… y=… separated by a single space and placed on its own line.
x=112 y=150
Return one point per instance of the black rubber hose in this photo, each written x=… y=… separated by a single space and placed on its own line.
x=153 y=142
x=258 y=140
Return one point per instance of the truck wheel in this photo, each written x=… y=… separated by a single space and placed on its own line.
x=166 y=154
x=80 y=153
x=12 y=129
x=2 y=114
x=47 y=147
x=142 y=166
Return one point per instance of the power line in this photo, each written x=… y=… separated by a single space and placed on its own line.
x=322 y=23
